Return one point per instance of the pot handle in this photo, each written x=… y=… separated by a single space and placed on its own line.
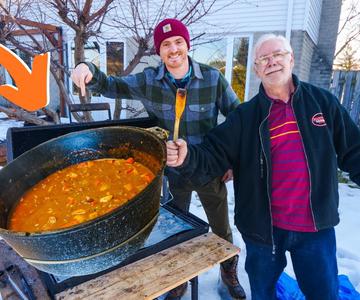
x=161 y=133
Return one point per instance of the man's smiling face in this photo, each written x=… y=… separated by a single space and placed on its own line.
x=174 y=51
x=274 y=63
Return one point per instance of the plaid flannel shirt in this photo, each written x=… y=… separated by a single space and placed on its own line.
x=208 y=92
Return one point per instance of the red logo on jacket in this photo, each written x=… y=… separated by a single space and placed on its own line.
x=318 y=120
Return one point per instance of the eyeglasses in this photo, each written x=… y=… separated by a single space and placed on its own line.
x=276 y=56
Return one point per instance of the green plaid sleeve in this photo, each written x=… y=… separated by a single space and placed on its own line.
x=129 y=87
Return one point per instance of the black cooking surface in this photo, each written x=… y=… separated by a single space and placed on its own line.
x=21 y=139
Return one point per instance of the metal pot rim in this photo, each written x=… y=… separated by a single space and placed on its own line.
x=102 y=218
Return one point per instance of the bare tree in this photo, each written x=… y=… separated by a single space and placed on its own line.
x=349 y=29
x=86 y=20
x=10 y=29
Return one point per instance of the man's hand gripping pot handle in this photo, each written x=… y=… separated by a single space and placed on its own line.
x=81 y=76
x=176 y=152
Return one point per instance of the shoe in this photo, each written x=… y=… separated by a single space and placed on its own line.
x=228 y=271
x=177 y=293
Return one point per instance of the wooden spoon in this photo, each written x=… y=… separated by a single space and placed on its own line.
x=179 y=109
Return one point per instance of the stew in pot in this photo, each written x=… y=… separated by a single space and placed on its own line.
x=79 y=193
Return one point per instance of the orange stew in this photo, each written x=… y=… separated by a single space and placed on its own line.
x=79 y=193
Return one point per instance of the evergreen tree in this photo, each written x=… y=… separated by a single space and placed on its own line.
x=242 y=52
x=348 y=61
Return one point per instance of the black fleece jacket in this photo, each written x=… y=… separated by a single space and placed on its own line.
x=330 y=138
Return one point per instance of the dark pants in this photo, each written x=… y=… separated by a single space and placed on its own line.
x=213 y=197
x=313 y=255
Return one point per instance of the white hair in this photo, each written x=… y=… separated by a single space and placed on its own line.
x=270 y=36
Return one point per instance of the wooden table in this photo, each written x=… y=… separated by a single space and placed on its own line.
x=157 y=274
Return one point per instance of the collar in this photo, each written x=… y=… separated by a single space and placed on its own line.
x=195 y=66
x=276 y=100
x=185 y=79
x=296 y=82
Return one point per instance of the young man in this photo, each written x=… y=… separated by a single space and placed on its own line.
x=207 y=93
x=285 y=146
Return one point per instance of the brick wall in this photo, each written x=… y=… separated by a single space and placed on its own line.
x=303 y=48
x=322 y=59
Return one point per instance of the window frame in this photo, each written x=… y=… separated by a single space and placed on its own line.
x=102 y=63
x=229 y=60
x=230 y=41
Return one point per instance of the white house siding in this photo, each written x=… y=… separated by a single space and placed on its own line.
x=251 y=16
x=299 y=14
x=312 y=20
x=257 y=15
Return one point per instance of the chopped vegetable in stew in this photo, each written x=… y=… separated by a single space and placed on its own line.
x=79 y=193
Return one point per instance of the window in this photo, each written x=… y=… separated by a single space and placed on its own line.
x=25 y=57
x=239 y=66
x=211 y=52
x=114 y=58
x=230 y=56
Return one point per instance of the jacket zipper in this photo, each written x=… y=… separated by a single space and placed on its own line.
x=267 y=180
x=307 y=162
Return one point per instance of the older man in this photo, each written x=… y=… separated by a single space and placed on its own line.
x=208 y=93
x=285 y=146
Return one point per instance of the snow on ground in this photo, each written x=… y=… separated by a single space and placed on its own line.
x=348 y=237
x=348 y=244
x=5 y=123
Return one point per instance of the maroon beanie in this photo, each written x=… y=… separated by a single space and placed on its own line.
x=169 y=28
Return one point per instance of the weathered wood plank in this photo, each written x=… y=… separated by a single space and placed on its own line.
x=157 y=274
x=346 y=87
x=336 y=87
x=355 y=111
x=348 y=90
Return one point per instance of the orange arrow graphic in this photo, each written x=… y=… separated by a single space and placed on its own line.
x=32 y=88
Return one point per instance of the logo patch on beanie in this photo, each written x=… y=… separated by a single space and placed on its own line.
x=166 y=28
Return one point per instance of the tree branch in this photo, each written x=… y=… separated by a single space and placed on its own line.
x=23 y=115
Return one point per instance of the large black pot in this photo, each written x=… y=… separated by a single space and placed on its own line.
x=97 y=244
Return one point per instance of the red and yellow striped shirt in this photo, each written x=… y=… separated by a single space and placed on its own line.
x=290 y=188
